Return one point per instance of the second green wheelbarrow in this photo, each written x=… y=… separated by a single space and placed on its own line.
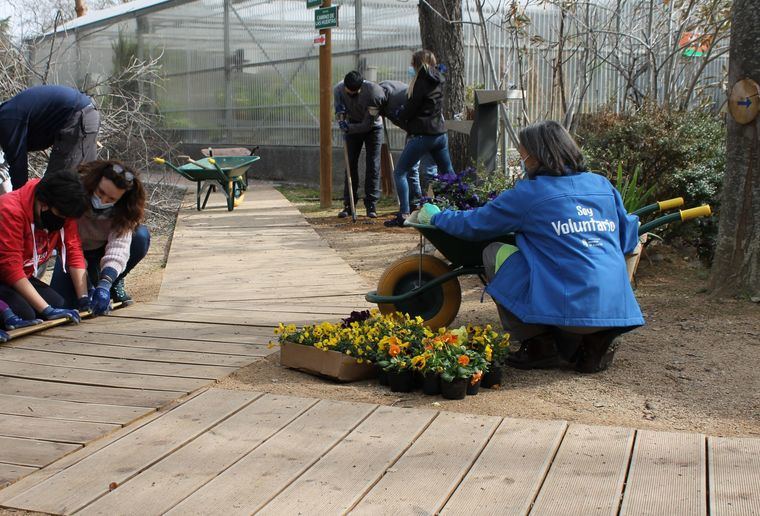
x=228 y=172
x=426 y=286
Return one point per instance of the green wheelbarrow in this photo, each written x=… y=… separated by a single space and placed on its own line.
x=228 y=172
x=426 y=286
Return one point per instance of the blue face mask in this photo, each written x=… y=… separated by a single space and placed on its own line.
x=97 y=204
x=411 y=72
x=523 y=168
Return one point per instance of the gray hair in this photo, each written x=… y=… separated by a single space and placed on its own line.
x=553 y=147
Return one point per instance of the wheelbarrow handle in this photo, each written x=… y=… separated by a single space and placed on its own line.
x=659 y=206
x=691 y=213
x=162 y=161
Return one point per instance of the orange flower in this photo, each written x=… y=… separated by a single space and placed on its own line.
x=463 y=360
x=394 y=350
x=476 y=377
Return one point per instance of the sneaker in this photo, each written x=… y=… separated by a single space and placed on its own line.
x=345 y=212
x=371 y=212
x=119 y=294
x=597 y=352
x=397 y=221
x=539 y=352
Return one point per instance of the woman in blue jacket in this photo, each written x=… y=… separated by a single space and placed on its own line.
x=563 y=291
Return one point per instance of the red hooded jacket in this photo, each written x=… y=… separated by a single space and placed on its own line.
x=23 y=247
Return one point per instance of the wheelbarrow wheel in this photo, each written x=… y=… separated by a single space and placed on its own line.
x=437 y=305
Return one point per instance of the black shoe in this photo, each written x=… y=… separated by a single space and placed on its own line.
x=397 y=221
x=371 y=212
x=345 y=212
x=539 y=352
x=597 y=352
x=119 y=294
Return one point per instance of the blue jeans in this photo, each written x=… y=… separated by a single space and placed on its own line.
x=417 y=146
x=416 y=182
x=61 y=281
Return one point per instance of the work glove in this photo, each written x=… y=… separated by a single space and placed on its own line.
x=83 y=304
x=343 y=126
x=50 y=314
x=12 y=321
x=426 y=213
x=100 y=300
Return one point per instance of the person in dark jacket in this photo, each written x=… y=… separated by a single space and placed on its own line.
x=395 y=99
x=423 y=116
x=48 y=116
x=357 y=108
x=563 y=291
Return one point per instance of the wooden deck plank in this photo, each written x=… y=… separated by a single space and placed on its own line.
x=588 y=472
x=508 y=474
x=734 y=466
x=86 y=393
x=255 y=347
x=258 y=477
x=668 y=475
x=114 y=365
x=89 y=479
x=98 y=378
x=428 y=472
x=32 y=452
x=54 y=345
x=342 y=477
x=207 y=333
x=90 y=449
x=160 y=487
x=56 y=430
x=68 y=410
x=214 y=315
x=10 y=472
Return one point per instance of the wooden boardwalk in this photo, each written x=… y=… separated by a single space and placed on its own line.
x=226 y=287
x=119 y=415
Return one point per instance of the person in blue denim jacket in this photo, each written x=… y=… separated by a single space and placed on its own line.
x=563 y=291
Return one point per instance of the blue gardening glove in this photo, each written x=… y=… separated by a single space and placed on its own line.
x=50 y=314
x=426 y=213
x=13 y=321
x=83 y=304
x=100 y=297
x=101 y=300
x=4 y=337
x=343 y=126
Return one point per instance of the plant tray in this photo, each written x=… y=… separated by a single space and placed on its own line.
x=330 y=364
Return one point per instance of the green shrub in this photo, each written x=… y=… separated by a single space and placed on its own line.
x=677 y=154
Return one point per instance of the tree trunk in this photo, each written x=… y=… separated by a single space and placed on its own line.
x=736 y=268
x=80 y=6
x=444 y=39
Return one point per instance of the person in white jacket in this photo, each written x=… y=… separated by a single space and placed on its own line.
x=113 y=240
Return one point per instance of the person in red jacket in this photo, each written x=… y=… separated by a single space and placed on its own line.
x=35 y=220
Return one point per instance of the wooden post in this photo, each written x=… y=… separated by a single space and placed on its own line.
x=325 y=118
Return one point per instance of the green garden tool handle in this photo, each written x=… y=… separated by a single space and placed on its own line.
x=659 y=206
x=682 y=215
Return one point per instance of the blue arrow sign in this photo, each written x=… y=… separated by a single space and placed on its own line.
x=746 y=102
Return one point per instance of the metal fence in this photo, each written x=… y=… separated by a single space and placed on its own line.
x=266 y=90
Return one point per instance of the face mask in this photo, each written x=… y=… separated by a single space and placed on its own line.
x=51 y=221
x=523 y=168
x=411 y=72
x=100 y=205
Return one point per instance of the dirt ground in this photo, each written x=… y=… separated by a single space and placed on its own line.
x=691 y=368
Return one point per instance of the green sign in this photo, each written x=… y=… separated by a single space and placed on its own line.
x=313 y=3
x=326 y=18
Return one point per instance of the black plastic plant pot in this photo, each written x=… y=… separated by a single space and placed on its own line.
x=402 y=381
x=431 y=384
x=472 y=388
x=492 y=377
x=382 y=376
x=455 y=390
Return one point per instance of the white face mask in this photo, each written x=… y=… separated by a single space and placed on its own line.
x=411 y=72
x=98 y=204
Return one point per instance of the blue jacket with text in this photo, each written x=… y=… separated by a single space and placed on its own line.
x=573 y=234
